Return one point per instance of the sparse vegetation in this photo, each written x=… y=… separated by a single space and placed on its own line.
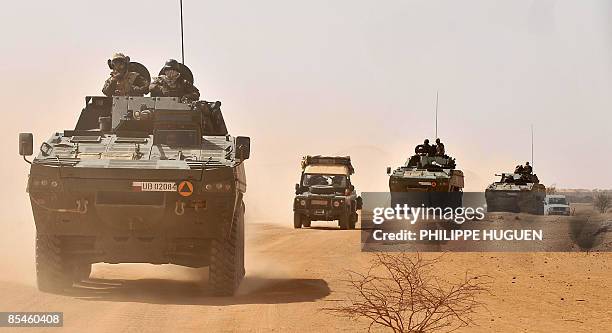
x=400 y=292
x=602 y=202
x=552 y=189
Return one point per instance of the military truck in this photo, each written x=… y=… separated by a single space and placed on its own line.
x=516 y=193
x=139 y=180
x=325 y=192
x=426 y=179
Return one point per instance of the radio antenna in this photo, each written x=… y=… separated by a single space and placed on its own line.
x=436 y=115
x=182 y=44
x=532 y=146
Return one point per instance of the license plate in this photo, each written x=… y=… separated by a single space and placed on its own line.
x=154 y=186
x=319 y=212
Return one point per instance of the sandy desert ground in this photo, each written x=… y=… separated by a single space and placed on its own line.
x=292 y=275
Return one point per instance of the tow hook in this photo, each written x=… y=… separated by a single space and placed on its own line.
x=82 y=209
x=179 y=209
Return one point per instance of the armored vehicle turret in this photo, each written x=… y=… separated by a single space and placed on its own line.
x=139 y=180
x=325 y=192
x=426 y=179
x=516 y=193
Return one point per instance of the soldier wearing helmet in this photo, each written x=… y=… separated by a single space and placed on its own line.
x=122 y=82
x=527 y=168
x=440 y=151
x=171 y=83
x=424 y=149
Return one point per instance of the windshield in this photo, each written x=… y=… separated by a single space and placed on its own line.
x=557 y=201
x=320 y=179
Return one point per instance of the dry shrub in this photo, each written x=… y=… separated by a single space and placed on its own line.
x=602 y=202
x=400 y=292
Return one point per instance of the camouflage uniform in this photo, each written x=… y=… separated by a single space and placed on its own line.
x=123 y=82
x=440 y=151
x=166 y=86
x=527 y=168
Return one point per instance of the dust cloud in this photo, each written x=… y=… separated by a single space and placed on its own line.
x=362 y=86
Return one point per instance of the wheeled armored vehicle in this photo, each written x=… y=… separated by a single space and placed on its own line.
x=325 y=192
x=139 y=180
x=516 y=193
x=426 y=179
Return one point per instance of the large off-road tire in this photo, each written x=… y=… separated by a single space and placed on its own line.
x=306 y=222
x=82 y=272
x=297 y=220
x=227 y=258
x=353 y=221
x=52 y=270
x=344 y=221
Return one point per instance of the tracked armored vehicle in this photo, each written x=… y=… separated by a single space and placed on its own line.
x=325 y=192
x=139 y=180
x=426 y=179
x=516 y=193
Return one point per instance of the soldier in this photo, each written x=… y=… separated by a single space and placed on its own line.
x=527 y=169
x=519 y=169
x=122 y=82
x=171 y=84
x=440 y=148
x=426 y=147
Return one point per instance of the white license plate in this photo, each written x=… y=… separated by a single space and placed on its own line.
x=319 y=212
x=154 y=186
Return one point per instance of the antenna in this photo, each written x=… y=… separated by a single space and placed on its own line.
x=532 y=146
x=436 y=115
x=182 y=44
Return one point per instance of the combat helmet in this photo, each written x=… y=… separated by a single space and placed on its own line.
x=118 y=56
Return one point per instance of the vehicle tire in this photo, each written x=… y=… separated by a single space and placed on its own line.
x=297 y=220
x=353 y=221
x=52 y=275
x=344 y=221
x=227 y=258
x=306 y=221
x=82 y=272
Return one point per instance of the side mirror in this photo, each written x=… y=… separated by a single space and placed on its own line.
x=26 y=144
x=243 y=147
x=388 y=170
x=352 y=188
x=297 y=187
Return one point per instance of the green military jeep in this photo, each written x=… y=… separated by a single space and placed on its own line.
x=325 y=192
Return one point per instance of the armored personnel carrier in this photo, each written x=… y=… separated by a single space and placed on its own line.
x=325 y=192
x=139 y=180
x=516 y=193
x=426 y=179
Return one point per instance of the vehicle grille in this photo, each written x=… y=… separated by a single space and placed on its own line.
x=319 y=202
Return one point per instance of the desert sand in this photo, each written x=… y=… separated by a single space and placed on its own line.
x=293 y=274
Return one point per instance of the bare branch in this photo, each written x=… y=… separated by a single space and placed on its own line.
x=401 y=292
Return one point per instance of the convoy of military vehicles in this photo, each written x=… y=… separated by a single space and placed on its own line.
x=160 y=180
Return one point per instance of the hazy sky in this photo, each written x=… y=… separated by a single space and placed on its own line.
x=346 y=77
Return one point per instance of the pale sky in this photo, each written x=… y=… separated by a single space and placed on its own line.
x=345 y=77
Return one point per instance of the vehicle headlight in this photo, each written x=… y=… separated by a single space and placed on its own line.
x=218 y=187
x=337 y=203
x=45 y=183
x=303 y=202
